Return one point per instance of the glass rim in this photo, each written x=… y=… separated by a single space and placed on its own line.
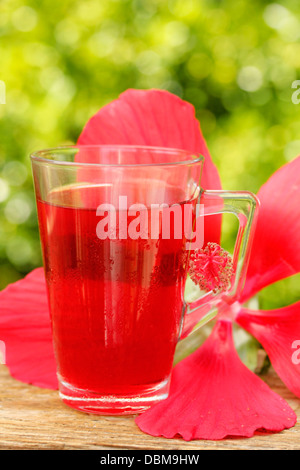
x=39 y=155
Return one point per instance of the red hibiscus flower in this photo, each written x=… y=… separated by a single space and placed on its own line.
x=212 y=395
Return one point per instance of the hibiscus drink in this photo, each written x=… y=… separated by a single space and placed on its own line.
x=116 y=303
x=116 y=275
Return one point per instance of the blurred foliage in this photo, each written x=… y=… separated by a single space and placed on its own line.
x=234 y=60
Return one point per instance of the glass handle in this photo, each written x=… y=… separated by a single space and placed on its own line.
x=244 y=205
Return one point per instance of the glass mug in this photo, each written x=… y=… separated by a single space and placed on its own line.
x=115 y=290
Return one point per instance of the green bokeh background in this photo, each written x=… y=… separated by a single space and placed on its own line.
x=234 y=60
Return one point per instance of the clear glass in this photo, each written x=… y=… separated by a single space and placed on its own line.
x=115 y=244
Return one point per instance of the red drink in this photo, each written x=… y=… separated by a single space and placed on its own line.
x=116 y=305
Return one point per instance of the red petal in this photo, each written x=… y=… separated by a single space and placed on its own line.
x=26 y=331
x=276 y=250
x=278 y=332
x=155 y=118
x=213 y=395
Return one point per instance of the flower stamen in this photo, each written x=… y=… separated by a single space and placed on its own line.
x=211 y=268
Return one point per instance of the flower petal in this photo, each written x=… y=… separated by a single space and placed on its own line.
x=214 y=395
x=26 y=331
x=275 y=251
x=155 y=118
x=278 y=331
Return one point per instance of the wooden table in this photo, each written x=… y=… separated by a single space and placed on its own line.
x=34 y=418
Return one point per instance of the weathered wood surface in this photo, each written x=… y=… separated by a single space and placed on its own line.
x=34 y=418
